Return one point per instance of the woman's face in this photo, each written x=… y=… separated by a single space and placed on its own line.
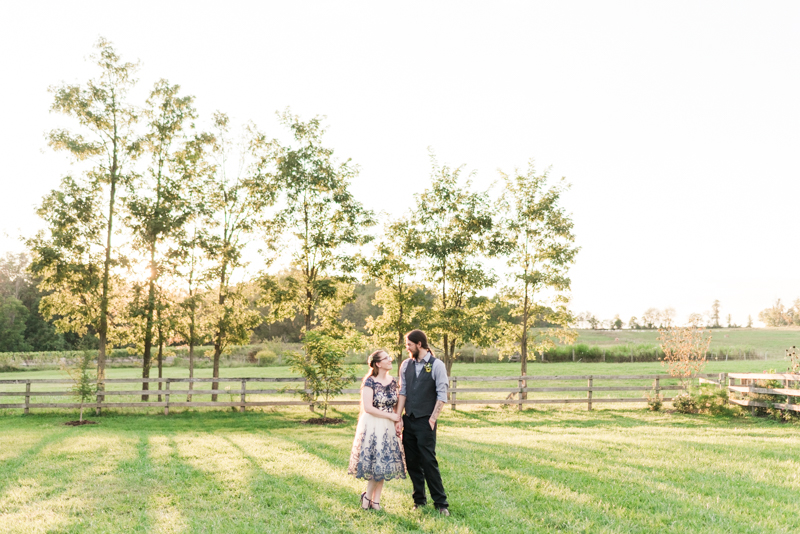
x=385 y=362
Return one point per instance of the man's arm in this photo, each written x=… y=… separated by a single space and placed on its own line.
x=440 y=377
x=401 y=403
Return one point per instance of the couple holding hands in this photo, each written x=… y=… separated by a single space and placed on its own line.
x=378 y=453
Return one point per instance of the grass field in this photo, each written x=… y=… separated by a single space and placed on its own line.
x=771 y=342
x=505 y=471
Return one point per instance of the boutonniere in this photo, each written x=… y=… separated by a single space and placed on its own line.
x=428 y=367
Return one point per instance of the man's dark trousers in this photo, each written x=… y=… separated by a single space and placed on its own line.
x=419 y=443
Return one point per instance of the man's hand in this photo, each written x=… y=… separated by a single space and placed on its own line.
x=432 y=421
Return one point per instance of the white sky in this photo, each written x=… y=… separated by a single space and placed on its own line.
x=676 y=122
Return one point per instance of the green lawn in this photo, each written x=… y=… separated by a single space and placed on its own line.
x=557 y=470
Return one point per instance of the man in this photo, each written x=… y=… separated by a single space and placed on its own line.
x=423 y=393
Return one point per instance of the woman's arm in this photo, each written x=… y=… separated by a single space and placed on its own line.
x=366 y=402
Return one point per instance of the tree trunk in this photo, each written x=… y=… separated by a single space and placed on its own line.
x=219 y=339
x=524 y=345
x=102 y=331
x=148 y=333
x=191 y=355
x=160 y=354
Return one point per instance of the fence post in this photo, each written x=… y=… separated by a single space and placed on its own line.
x=453 y=394
x=166 y=397
x=589 y=394
x=657 y=386
x=27 y=397
x=521 y=387
x=573 y=355
x=100 y=397
x=244 y=387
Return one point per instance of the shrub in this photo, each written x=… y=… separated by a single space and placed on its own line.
x=685 y=403
x=265 y=357
x=655 y=401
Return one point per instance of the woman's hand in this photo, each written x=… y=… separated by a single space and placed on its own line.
x=394 y=416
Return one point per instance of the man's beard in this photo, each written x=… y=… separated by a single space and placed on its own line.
x=415 y=353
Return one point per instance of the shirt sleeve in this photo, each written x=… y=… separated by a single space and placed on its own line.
x=400 y=376
x=440 y=377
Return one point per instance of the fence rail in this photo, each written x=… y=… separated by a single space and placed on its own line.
x=464 y=390
x=749 y=385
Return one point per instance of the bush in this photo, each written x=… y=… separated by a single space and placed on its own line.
x=266 y=357
x=685 y=403
x=655 y=401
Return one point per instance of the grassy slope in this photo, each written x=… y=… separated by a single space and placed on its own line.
x=773 y=341
x=536 y=471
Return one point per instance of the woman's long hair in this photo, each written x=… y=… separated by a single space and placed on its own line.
x=418 y=336
x=372 y=361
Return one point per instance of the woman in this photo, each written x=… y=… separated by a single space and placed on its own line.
x=377 y=453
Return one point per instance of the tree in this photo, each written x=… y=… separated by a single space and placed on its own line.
x=238 y=202
x=323 y=368
x=617 y=323
x=157 y=205
x=695 y=319
x=684 y=351
x=633 y=324
x=749 y=321
x=76 y=262
x=650 y=318
x=715 y=314
x=84 y=385
x=449 y=233
x=186 y=257
x=13 y=315
x=668 y=317
x=401 y=300
x=539 y=246
x=774 y=316
x=325 y=223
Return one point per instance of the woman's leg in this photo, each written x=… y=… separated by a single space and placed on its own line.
x=376 y=495
x=369 y=493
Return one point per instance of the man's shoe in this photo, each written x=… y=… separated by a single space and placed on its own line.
x=444 y=511
x=417 y=506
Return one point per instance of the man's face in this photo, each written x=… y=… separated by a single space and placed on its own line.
x=413 y=348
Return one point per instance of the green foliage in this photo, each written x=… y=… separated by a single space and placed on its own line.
x=325 y=223
x=75 y=258
x=537 y=239
x=13 y=316
x=323 y=367
x=655 y=401
x=705 y=399
x=449 y=232
x=685 y=403
x=402 y=302
x=266 y=357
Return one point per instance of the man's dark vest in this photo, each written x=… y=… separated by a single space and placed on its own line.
x=420 y=390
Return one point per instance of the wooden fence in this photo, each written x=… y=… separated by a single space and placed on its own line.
x=524 y=391
x=464 y=390
x=748 y=385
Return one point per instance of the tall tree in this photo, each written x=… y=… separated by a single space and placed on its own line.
x=715 y=314
x=450 y=235
x=76 y=262
x=539 y=247
x=238 y=194
x=187 y=257
x=402 y=301
x=325 y=223
x=157 y=204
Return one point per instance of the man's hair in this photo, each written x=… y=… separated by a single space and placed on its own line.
x=418 y=336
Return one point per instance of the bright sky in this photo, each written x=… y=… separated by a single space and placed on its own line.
x=675 y=122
